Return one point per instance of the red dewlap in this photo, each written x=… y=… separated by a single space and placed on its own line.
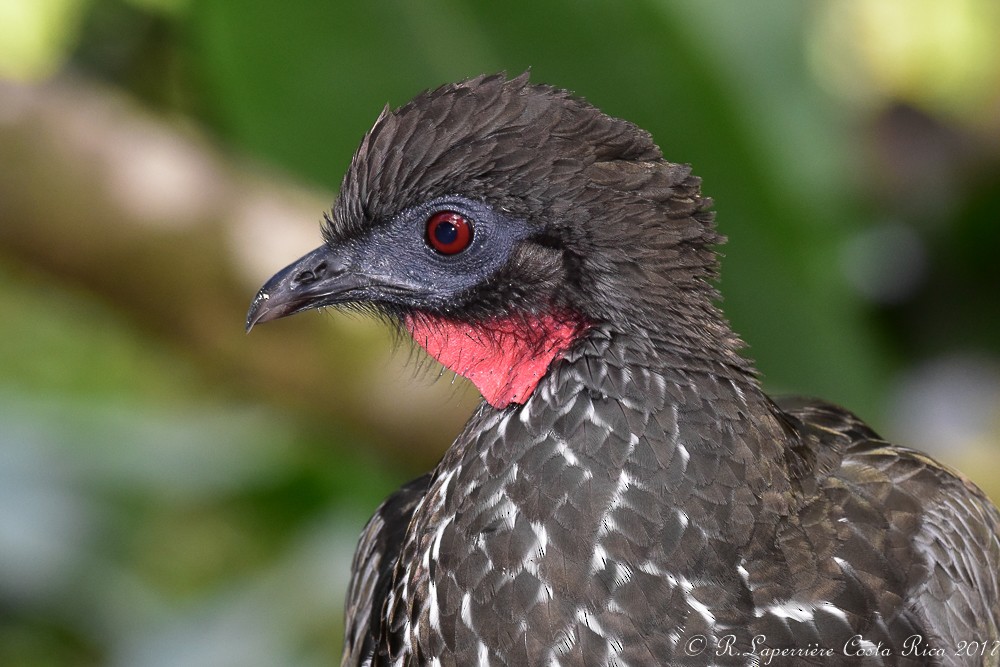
x=505 y=358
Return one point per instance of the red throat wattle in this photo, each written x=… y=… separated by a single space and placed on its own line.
x=505 y=358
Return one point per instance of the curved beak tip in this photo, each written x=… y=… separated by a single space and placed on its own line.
x=312 y=281
x=265 y=309
x=258 y=310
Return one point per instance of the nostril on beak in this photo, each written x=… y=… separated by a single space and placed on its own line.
x=309 y=276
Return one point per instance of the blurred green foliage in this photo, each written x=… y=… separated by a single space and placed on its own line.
x=152 y=514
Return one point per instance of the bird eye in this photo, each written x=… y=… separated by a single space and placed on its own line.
x=448 y=232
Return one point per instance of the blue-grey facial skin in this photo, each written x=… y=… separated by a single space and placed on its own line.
x=394 y=264
x=414 y=267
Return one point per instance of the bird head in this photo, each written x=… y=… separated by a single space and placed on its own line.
x=497 y=220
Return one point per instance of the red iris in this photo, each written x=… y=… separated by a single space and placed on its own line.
x=449 y=232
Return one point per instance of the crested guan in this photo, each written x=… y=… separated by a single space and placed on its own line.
x=626 y=494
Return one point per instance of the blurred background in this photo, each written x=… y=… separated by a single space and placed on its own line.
x=175 y=493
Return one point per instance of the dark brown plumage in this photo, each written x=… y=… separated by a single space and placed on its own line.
x=627 y=494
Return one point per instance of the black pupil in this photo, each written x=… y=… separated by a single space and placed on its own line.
x=445 y=232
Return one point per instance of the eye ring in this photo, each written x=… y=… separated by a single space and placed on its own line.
x=448 y=232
